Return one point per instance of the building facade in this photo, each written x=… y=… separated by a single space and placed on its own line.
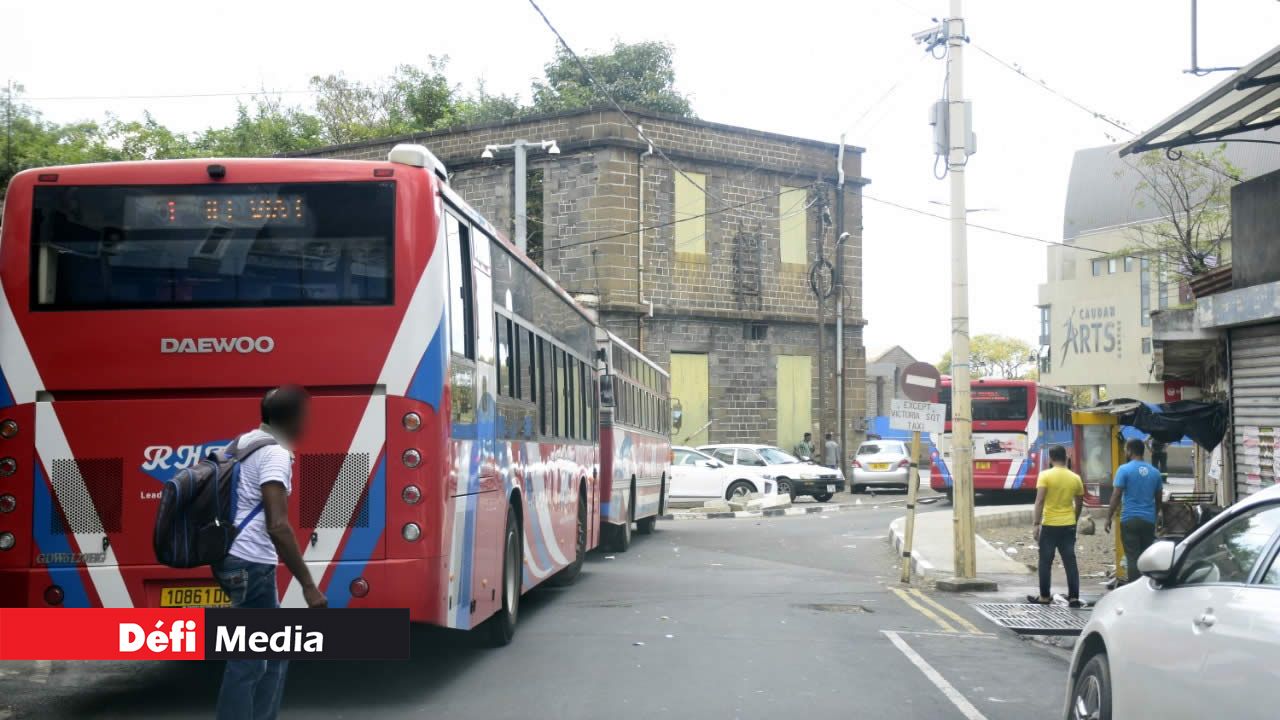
x=1096 y=304
x=703 y=266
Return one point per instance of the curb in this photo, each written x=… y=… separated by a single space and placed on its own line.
x=767 y=512
x=920 y=564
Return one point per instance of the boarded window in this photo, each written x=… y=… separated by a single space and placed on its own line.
x=690 y=210
x=689 y=396
x=795 y=399
x=793 y=225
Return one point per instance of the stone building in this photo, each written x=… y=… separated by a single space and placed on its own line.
x=884 y=371
x=713 y=285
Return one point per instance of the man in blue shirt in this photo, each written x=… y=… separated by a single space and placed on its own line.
x=1140 y=485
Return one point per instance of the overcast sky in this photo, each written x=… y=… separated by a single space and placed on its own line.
x=801 y=67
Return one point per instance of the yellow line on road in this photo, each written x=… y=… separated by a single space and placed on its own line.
x=946 y=627
x=968 y=626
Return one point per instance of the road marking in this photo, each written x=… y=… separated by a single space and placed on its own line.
x=931 y=633
x=40 y=675
x=962 y=704
x=949 y=613
x=946 y=627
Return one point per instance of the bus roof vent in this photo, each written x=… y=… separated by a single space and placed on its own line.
x=418 y=156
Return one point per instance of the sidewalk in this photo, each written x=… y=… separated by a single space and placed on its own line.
x=932 y=546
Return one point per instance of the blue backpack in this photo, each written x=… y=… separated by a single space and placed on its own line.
x=194 y=521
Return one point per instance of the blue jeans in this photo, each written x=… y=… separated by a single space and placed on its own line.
x=251 y=689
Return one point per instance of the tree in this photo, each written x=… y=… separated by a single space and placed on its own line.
x=637 y=74
x=995 y=356
x=268 y=129
x=1192 y=197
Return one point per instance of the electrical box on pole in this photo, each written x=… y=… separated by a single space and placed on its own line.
x=939 y=118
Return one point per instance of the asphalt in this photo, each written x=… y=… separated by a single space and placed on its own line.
x=735 y=618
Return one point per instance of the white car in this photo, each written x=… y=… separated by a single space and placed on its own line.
x=698 y=476
x=793 y=475
x=1198 y=636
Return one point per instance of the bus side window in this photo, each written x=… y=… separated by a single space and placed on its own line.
x=561 y=410
x=544 y=395
x=528 y=368
x=584 y=401
x=461 y=319
x=502 y=339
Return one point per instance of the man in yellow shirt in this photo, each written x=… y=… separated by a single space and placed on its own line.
x=1059 y=497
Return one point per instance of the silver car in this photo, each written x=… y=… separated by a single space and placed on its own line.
x=881 y=463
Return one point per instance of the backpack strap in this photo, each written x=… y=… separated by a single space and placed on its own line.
x=249 y=518
x=238 y=455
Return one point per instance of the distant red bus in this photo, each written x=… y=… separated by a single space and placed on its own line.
x=144 y=309
x=635 y=441
x=1014 y=421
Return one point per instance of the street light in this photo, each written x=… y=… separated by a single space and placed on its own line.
x=520 y=149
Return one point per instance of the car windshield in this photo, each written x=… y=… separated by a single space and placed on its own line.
x=774 y=456
x=878 y=448
x=690 y=457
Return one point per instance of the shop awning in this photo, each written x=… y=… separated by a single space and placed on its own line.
x=1248 y=100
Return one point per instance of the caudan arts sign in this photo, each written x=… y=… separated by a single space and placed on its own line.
x=1092 y=330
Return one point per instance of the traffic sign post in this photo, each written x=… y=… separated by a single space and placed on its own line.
x=920 y=383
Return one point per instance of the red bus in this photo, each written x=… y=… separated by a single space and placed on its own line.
x=146 y=306
x=1014 y=421
x=635 y=441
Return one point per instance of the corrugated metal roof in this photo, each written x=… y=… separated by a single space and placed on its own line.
x=1215 y=281
x=1248 y=100
x=1102 y=185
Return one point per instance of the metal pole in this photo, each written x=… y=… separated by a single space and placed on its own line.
x=8 y=132
x=1195 y=64
x=961 y=406
x=521 y=201
x=840 y=241
x=913 y=483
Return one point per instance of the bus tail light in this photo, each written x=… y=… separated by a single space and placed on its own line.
x=8 y=503
x=411 y=495
x=8 y=466
x=53 y=595
x=411 y=458
x=8 y=429
x=359 y=587
x=7 y=541
x=412 y=421
x=411 y=532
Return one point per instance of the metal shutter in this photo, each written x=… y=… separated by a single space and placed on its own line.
x=1255 y=405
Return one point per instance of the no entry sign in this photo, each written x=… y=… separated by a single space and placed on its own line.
x=920 y=382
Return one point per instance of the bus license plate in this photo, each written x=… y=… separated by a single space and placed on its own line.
x=982 y=466
x=201 y=596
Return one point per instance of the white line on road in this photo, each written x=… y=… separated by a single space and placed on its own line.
x=40 y=675
x=962 y=704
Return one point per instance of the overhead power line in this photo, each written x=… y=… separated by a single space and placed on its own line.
x=178 y=96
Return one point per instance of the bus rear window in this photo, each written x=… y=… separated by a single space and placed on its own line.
x=116 y=247
x=992 y=403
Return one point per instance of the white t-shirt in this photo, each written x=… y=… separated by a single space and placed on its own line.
x=272 y=463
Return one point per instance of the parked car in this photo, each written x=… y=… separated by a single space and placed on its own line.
x=1198 y=635
x=795 y=477
x=698 y=476
x=880 y=463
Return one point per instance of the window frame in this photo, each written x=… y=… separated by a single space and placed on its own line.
x=462 y=288
x=1266 y=557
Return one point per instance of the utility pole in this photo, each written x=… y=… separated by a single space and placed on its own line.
x=8 y=132
x=520 y=149
x=841 y=237
x=961 y=405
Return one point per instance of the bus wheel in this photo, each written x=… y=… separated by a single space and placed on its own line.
x=502 y=626
x=949 y=499
x=572 y=570
x=647 y=525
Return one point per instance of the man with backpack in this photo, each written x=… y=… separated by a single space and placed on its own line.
x=252 y=689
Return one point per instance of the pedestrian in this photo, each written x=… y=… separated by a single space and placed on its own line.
x=831 y=452
x=252 y=689
x=1160 y=455
x=1059 y=498
x=1138 y=483
x=804 y=448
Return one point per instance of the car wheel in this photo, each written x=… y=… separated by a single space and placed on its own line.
x=822 y=497
x=740 y=488
x=784 y=488
x=1091 y=696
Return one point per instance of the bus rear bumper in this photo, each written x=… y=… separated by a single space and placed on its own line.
x=417 y=584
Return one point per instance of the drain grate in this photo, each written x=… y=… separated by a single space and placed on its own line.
x=1031 y=619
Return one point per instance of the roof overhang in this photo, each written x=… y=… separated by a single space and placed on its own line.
x=1248 y=100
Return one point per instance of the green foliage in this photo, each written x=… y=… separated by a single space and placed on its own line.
x=638 y=74
x=412 y=99
x=996 y=356
x=1192 y=199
